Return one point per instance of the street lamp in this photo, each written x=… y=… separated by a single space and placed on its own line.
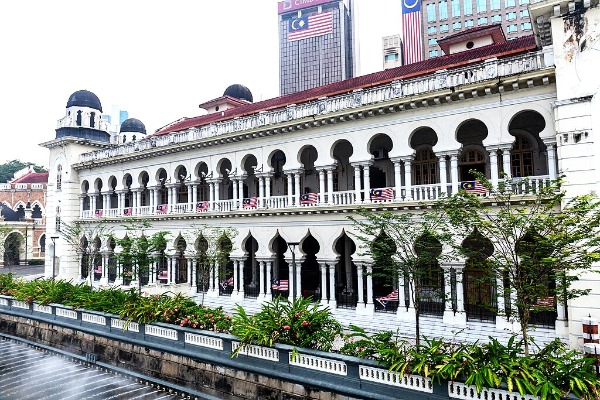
x=53 y=255
x=292 y=247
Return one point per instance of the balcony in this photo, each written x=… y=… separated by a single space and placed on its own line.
x=343 y=199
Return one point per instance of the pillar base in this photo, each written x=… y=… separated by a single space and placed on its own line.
x=458 y=319
x=365 y=309
x=103 y=282
x=406 y=315
x=212 y=293
x=502 y=324
x=238 y=296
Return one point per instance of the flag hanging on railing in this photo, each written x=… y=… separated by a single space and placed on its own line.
x=202 y=206
x=250 y=202
x=128 y=211
x=162 y=208
x=280 y=284
x=386 y=193
x=309 y=198
x=474 y=187
x=98 y=213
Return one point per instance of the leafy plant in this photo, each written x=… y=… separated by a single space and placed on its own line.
x=299 y=323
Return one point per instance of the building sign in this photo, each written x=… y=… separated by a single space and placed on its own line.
x=293 y=5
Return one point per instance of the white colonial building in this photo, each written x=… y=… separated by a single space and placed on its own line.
x=291 y=169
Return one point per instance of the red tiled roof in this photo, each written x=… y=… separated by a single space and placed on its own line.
x=33 y=177
x=499 y=50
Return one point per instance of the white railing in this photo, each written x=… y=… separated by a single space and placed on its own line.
x=531 y=185
x=61 y=312
x=204 y=341
x=491 y=69
x=425 y=192
x=112 y=212
x=144 y=210
x=42 y=309
x=223 y=205
x=20 y=304
x=180 y=208
x=124 y=325
x=93 y=319
x=4 y=302
x=276 y=202
x=457 y=390
x=318 y=363
x=161 y=332
x=384 y=376
x=265 y=353
x=343 y=198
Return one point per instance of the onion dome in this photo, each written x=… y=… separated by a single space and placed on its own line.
x=133 y=125
x=84 y=98
x=239 y=92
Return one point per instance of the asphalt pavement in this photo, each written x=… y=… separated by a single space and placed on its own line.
x=28 y=271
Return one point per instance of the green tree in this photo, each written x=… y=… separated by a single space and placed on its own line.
x=542 y=243
x=418 y=242
x=8 y=169
x=83 y=240
x=138 y=251
x=213 y=247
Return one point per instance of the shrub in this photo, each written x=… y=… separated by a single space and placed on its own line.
x=300 y=323
x=36 y=261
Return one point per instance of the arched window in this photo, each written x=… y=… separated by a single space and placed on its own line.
x=57 y=224
x=92 y=119
x=59 y=177
x=78 y=118
x=425 y=167
x=521 y=158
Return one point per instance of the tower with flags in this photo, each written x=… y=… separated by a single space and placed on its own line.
x=316 y=44
x=412 y=35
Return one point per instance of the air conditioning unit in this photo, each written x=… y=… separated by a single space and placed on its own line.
x=379 y=154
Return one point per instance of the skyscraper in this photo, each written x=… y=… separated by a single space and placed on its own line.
x=315 y=43
x=442 y=18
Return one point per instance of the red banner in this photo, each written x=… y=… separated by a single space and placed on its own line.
x=293 y=5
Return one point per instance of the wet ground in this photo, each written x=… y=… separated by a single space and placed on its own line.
x=30 y=374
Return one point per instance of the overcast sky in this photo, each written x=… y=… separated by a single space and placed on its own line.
x=156 y=59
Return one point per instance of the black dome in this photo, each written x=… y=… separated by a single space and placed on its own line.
x=84 y=98
x=133 y=125
x=239 y=92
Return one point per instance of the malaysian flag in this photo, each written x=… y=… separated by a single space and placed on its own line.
x=250 y=202
x=280 y=284
x=309 y=198
x=474 y=187
x=386 y=193
x=98 y=213
x=128 y=212
x=310 y=25
x=411 y=31
x=162 y=208
x=202 y=206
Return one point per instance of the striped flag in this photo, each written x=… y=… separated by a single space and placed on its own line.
x=250 y=202
x=202 y=206
x=384 y=194
x=309 y=198
x=162 y=208
x=474 y=187
x=411 y=31
x=98 y=213
x=310 y=25
x=127 y=212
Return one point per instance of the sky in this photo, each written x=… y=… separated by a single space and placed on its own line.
x=156 y=59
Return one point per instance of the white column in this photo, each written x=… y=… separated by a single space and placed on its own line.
x=298 y=277
x=297 y=192
x=331 y=298
x=236 y=265
x=93 y=203
x=321 y=173
x=367 y=183
x=329 y=186
x=290 y=178
x=494 y=167
x=267 y=191
x=241 y=191
x=397 y=179
x=211 y=194
x=551 y=158
x=357 y=186
x=261 y=190
x=212 y=285
x=370 y=286
x=323 y=268
x=193 y=279
x=291 y=279
x=407 y=178
x=151 y=201
x=448 y=312
x=138 y=198
x=269 y=279
x=234 y=182
x=506 y=161
x=81 y=200
x=443 y=174
x=241 y=284
x=359 y=272
x=454 y=172
x=156 y=198
x=194 y=195
x=191 y=202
